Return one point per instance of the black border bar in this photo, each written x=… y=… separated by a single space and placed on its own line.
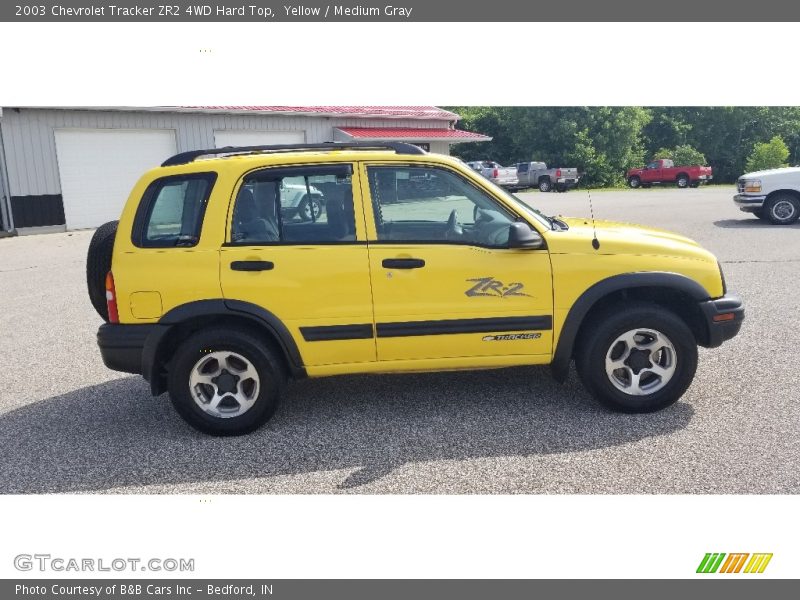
x=542 y=12
x=710 y=586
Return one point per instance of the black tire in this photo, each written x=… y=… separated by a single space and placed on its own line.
x=694 y=184
x=303 y=208
x=98 y=264
x=634 y=182
x=545 y=185
x=683 y=181
x=606 y=327
x=782 y=209
x=561 y=188
x=271 y=373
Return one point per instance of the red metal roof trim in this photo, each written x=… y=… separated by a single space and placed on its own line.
x=412 y=134
x=414 y=112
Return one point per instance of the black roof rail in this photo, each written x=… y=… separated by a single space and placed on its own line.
x=187 y=157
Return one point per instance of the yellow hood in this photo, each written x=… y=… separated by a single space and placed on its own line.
x=624 y=238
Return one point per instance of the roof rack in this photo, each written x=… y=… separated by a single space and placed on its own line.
x=398 y=147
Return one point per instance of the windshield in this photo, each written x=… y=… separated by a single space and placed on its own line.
x=536 y=214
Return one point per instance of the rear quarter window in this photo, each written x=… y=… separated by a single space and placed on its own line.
x=171 y=211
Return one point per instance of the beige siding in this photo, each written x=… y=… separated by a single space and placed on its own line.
x=440 y=147
x=30 y=139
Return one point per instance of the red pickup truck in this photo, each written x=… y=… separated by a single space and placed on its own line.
x=664 y=171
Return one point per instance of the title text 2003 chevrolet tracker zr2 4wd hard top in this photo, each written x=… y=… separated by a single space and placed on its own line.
x=417 y=263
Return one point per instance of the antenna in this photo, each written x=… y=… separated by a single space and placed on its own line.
x=595 y=241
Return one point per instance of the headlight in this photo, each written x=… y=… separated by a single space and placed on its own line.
x=752 y=186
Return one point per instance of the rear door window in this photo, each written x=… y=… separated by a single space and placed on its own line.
x=172 y=210
x=295 y=205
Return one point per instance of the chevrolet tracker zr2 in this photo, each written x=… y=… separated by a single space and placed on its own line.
x=217 y=289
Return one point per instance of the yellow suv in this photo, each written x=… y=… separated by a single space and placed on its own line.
x=216 y=289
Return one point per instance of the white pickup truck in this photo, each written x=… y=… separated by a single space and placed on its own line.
x=772 y=195
x=503 y=176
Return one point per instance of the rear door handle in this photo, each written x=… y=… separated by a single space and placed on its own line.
x=403 y=263
x=252 y=265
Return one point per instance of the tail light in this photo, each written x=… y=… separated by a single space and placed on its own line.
x=111 y=299
x=558 y=172
x=495 y=173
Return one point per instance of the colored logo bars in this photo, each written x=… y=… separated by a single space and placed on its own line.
x=734 y=562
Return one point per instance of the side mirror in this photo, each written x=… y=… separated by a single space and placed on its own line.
x=520 y=235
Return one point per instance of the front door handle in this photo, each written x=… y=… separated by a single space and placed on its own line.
x=403 y=263
x=252 y=265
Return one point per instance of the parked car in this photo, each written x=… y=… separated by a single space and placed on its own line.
x=536 y=174
x=296 y=202
x=496 y=173
x=209 y=295
x=664 y=170
x=772 y=195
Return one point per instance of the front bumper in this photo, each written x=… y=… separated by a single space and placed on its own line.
x=748 y=203
x=723 y=318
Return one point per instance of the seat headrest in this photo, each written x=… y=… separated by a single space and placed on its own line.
x=246 y=205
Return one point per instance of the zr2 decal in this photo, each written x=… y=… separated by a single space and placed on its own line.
x=489 y=286
x=508 y=337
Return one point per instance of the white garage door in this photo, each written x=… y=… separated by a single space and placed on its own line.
x=98 y=168
x=252 y=137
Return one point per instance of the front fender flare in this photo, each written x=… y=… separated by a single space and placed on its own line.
x=581 y=307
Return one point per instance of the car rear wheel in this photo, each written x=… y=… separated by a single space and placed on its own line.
x=309 y=211
x=98 y=264
x=782 y=209
x=225 y=382
x=683 y=181
x=634 y=182
x=638 y=359
x=545 y=185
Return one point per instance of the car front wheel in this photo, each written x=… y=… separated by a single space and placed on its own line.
x=639 y=359
x=782 y=209
x=225 y=382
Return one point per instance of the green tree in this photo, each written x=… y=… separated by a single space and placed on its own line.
x=682 y=155
x=768 y=155
x=605 y=141
x=602 y=142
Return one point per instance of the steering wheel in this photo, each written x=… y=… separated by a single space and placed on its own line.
x=454 y=230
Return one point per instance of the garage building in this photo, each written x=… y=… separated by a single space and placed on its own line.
x=72 y=168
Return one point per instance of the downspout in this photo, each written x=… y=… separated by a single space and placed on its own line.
x=5 y=201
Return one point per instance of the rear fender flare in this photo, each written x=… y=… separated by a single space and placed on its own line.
x=151 y=354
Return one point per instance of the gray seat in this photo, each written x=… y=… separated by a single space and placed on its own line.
x=247 y=227
x=341 y=216
x=249 y=224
